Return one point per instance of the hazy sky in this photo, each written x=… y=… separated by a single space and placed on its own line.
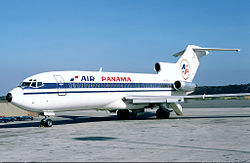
x=122 y=35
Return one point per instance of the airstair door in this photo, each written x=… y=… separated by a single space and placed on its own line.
x=60 y=85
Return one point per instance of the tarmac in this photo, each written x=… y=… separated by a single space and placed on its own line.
x=7 y=109
x=202 y=134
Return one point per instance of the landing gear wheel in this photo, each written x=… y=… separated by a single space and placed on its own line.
x=162 y=114
x=123 y=114
x=159 y=114
x=46 y=123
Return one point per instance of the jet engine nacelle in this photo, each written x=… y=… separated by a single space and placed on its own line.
x=171 y=71
x=165 y=68
x=184 y=86
x=158 y=67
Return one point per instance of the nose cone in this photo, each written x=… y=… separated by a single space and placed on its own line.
x=9 y=97
x=15 y=96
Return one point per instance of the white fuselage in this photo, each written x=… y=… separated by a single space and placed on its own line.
x=79 y=90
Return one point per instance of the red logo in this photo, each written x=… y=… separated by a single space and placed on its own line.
x=185 y=69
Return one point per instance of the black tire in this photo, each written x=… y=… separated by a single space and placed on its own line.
x=123 y=114
x=159 y=113
x=48 y=123
x=162 y=114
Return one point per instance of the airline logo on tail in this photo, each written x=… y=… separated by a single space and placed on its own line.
x=185 y=69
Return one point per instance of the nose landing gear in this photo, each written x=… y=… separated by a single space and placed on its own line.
x=46 y=122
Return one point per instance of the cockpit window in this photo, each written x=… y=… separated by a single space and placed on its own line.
x=31 y=83
x=25 y=84
x=39 y=84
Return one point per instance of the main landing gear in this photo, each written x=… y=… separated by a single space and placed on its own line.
x=123 y=114
x=46 y=122
x=162 y=112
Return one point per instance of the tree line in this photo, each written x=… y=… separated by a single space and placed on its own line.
x=242 y=88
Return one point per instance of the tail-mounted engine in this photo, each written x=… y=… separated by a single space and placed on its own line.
x=165 y=68
x=184 y=86
x=158 y=67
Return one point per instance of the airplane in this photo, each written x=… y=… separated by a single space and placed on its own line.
x=124 y=93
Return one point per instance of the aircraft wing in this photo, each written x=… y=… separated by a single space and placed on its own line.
x=137 y=99
x=216 y=96
x=143 y=99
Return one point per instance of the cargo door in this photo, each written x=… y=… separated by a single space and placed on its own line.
x=60 y=85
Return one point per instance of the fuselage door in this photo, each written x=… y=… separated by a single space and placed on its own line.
x=60 y=85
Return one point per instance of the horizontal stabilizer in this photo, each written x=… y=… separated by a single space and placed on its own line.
x=215 y=49
x=204 y=50
x=179 y=53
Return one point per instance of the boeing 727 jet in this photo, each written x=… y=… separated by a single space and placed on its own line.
x=123 y=93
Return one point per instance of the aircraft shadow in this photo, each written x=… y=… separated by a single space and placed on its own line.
x=74 y=120
x=80 y=119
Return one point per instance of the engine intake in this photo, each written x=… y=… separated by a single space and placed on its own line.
x=184 y=86
x=157 y=67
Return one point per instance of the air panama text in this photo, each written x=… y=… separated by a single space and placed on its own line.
x=116 y=79
x=104 y=78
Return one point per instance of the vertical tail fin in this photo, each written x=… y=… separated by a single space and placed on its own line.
x=190 y=60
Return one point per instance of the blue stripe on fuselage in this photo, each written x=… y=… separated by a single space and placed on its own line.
x=103 y=85
x=111 y=86
x=66 y=92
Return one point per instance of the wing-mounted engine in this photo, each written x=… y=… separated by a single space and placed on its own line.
x=184 y=86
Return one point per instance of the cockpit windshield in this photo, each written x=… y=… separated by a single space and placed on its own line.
x=39 y=84
x=31 y=83
x=25 y=84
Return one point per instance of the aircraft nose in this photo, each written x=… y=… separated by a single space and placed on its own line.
x=9 y=97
